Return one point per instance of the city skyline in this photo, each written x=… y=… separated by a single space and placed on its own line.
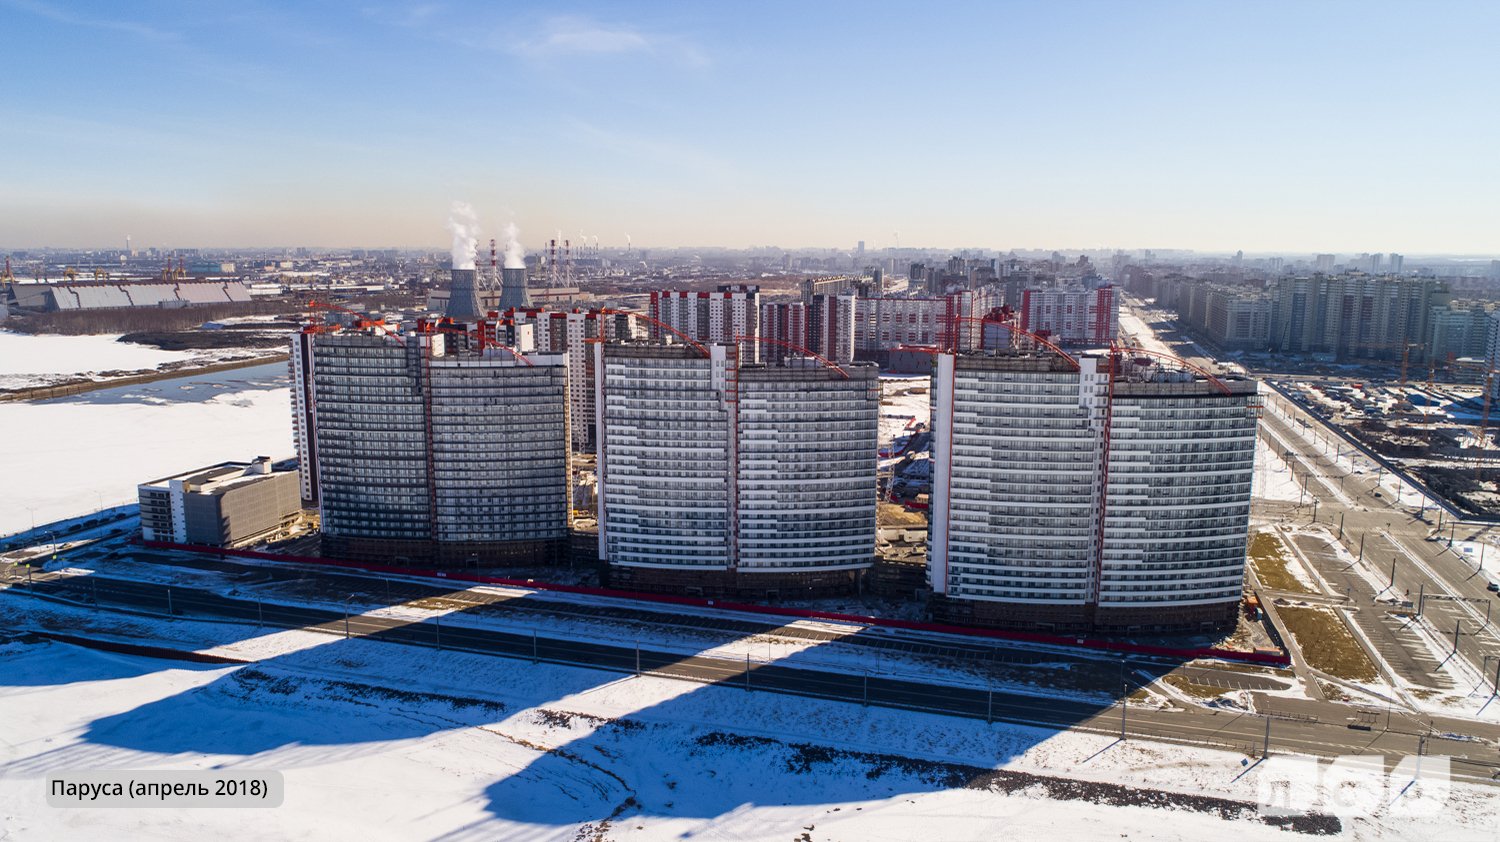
x=1342 y=128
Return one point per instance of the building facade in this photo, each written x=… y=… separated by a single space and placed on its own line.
x=571 y=334
x=1076 y=495
x=1355 y=316
x=432 y=452
x=1071 y=316
x=882 y=324
x=721 y=316
x=718 y=476
x=226 y=505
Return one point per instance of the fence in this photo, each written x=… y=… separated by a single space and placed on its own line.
x=1277 y=659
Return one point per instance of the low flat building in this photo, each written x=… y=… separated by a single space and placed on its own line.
x=230 y=504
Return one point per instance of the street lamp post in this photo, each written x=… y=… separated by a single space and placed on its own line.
x=1124 y=699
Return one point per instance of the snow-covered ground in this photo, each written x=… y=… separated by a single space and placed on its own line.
x=1483 y=555
x=1273 y=479
x=501 y=749
x=1469 y=696
x=27 y=360
x=904 y=403
x=1133 y=327
x=73 y=455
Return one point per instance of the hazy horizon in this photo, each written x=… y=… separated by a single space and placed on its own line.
x=1275 y=128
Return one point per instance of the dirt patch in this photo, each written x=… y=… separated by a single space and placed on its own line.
x=1333 y=692
x=1327 y=643
x=255 y=680
x=894 y=514
x=1270 y=558
x=1193 y=688
x=566 y=718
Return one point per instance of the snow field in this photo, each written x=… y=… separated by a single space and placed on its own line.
x=505 y=749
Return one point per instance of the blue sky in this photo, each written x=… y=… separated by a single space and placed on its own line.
x=1210 y=125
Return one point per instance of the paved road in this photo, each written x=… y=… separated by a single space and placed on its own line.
x=302 y=583
x=1387 y=534
x=1235 y=731
x=1391 y=536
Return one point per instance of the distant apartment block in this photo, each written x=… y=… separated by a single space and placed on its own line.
x=1232 y=318
x=1071 y=316
x=718 y=476
x=571 y=334
x=230 y=504
x=783 y=324
x=732 y=311
x=1076 y=495
x=1345 y=316
x=1354 y=316
x=1457 y=330
x=882 y=324
x=824 y=325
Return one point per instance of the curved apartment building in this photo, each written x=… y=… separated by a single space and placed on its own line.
x=725 y=478
x=1079 y=495
x=431 y=453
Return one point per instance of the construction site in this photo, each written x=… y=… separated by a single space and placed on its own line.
x=1438 y=431
x=732 y=464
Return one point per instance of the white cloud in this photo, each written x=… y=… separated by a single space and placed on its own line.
x=574 y=36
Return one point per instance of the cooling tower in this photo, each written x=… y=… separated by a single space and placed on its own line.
x=513 y=292
x=463 y=297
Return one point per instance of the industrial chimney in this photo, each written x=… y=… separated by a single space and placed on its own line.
x=513 y=292
x=463 y=297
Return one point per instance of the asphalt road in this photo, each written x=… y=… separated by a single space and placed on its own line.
x=1232 y=730
x=1392 y=537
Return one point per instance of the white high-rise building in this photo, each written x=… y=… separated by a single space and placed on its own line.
x=720 y=477
x=1067 y=497
x=1324 y=264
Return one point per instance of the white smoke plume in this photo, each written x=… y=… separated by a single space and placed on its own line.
x=464 y=224
x=515 y=256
